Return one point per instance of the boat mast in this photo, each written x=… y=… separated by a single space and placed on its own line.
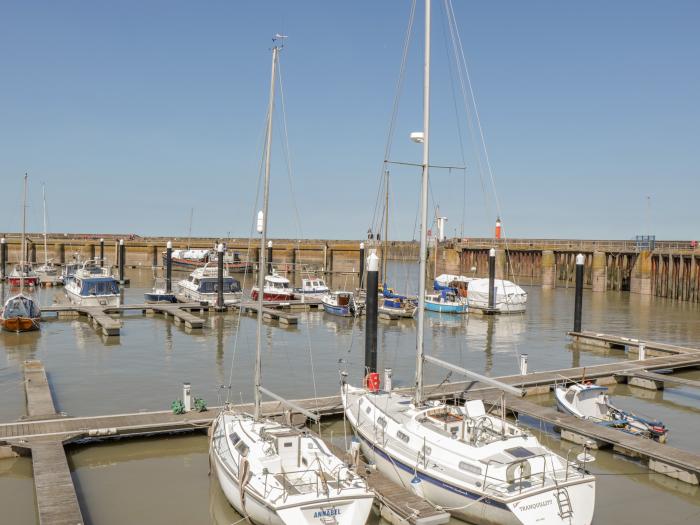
x=189 y=234
x=262 y=225
x=46 y=250
x=24 y=232
x=385 y=249
x=418 y=398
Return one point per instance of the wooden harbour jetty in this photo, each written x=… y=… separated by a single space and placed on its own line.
x=44 y=433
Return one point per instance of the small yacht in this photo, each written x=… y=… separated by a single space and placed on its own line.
x=23 y=272
x=20 y=313
x=312 y=287
x=276 y=289
x=201 y=286
x=159 y=293
x=340 y=303
x=93 y=286
x=590 y=401
x=510 y=298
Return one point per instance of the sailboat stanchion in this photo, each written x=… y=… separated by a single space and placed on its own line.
x=492 y=278
x=220 y=306
x=371 y=309
x=362 y=266
x=169 y=267
x=3 y=258
x=578 y=301
x=102 y=253
x=269 y=257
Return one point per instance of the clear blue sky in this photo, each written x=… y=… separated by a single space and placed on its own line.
x=132 y=112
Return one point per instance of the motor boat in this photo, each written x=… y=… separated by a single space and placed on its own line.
x=590 y=401
x=340 y=303
x=446 y=301
x=201 y=286
x=23 y=273
x=92 y=285
x=312 y=287
x=275 y=289
x=159 y=293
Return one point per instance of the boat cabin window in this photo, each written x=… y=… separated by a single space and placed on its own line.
x=235 y=438
x=99 y=288
x=569 y=396
x=242 y=448
x=381 y=421
x=403 y=437
x=368 y=409
x=467 y=467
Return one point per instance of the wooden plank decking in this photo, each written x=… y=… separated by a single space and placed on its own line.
x=36 y=387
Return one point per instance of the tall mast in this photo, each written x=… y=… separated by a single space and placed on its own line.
x=46 y=250
x=262 y=225
x=423 y=210
x=24 y=231
x=385 y=249
x=189 y=234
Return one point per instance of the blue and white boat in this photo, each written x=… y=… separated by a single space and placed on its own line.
x=201 y=286
x=93 y=286
x=397 y=306
x=591 y=402
x=340 y=303
x=446 y=302
x=159 y=293
x=312 y=287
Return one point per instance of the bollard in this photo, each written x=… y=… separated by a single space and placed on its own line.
x=169 y=267
x=269 y=257
x=523 y=364
x=3 y=258
x=122 y=253
x=578 y=301
x=642 y=352
x=492 y=278
x=102 y=253
x=220 y=306
x=371 y=313
x=362 y=265
x=187 y=396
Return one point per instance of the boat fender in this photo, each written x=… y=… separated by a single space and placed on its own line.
x=518 y=470
x=417 y=486
x=243 y=478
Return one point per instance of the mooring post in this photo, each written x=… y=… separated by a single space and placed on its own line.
x=642 y=352
x=371 y=313
x=102 y=253
x=269 y=257
x=362 y=264
x=220 y=306
x=578 y=301
x=3 y=258
x=169 y=267
x=523 y=364
x=492 y=278
x=122 y=253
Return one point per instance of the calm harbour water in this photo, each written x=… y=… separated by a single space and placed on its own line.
x=166 y=480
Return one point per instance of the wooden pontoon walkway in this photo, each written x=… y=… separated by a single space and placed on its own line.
x=629 y=343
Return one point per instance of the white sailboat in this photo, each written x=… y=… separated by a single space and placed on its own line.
x=21 y=312
x=47 y=272
x=272 y=473
x=477 y=466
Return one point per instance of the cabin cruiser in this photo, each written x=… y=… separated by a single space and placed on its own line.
x=196 y=258
x=276 y=289
x=69 y=270
x=312 y=287
x=341 y=303
x=92 y=285
x=446 y=301
x=20 y=313
x=509 y=297
x=201 y=286
x=23 y=272
x=590 y=401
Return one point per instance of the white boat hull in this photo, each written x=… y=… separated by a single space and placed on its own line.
x=533 y=510
x=93 y=300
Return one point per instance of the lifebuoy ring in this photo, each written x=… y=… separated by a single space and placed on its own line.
x=518 y=470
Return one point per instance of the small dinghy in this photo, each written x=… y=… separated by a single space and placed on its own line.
x=591 y=402
x=159 y=293
x=20 y=313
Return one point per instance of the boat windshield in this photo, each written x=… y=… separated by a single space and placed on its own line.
x=99 y=287
x=210 y=286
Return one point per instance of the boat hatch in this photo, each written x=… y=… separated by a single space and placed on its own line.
x=521 y=452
